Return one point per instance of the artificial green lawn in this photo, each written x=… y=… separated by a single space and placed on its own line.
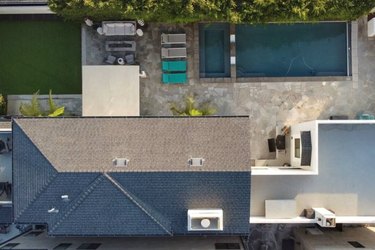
x=40 y=55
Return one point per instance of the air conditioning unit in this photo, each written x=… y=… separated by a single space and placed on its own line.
x=120 y=162
x=324 y=217
x=196 y=162
x=205 y=220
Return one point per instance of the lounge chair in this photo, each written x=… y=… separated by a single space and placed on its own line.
x=173 y=52
x=174 y=78
x=173 y=66
x=119 y=28
x=173 y=38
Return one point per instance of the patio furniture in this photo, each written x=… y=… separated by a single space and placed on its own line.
x=113 y=28
x=173 y=66
x=173 y=38
x=120 y=45
x=141 y=22
x=174 y=78
x=139 y=32
x=110 y=59
x=89 y=22
x=173 y=53
x=130 y=59
x=3 y=147
x=120 y=61
x=100 y=31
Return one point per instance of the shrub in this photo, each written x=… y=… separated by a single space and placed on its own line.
x=33 y=108
x=3 y=105
x=236 y=11
x=191 y=109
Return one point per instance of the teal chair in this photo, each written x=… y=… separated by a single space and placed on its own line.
x=173 y=66
x=174 y=78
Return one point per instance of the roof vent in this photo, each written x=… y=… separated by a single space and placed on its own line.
x=195 y=162
x=65 y=197
x=120 y=162
x=53 y=210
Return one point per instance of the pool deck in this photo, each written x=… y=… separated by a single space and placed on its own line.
x=281 y=101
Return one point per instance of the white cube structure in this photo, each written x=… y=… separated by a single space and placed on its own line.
x=371 y=28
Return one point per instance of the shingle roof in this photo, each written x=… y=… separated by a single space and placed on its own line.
x=6 y=214
x=31 y=171
x=137 y=202
x=150 y=144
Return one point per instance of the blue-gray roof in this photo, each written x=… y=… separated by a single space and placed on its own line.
x=6 y=214
x=142 y=203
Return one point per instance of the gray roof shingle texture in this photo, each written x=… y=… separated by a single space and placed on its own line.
x=6 y=214
x=150 y=144
x=148 y=202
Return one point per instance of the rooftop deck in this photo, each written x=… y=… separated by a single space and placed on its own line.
x=345 y=181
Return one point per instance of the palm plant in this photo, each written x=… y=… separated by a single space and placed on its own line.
x=33 y=108
x=2 y=105
x=191 y=109
x=54 y=110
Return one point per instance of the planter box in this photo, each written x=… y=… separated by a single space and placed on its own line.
x=72 y=103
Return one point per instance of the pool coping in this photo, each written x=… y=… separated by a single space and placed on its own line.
x=234 y=79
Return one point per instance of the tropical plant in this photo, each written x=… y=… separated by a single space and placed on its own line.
x=191 y=109
x=54 y=110
x=34 y=109
x=3 y=105
x=235 y=11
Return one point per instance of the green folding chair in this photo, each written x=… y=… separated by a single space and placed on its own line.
x=173 y=66
x=174 y=78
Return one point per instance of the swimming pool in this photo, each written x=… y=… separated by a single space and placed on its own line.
x=214 y=50
x=292 y=50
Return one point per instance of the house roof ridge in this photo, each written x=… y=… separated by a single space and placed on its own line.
x=170 y=143
x=50 y=180
x=137 y=202
x=34 y=143
x=78 y=201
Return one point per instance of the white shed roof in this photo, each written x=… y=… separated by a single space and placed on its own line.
x=110 y=90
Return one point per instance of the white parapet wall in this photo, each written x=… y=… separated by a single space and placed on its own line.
x=14 y=10
x=72 y=103
x=371 y=28
x=304 y=220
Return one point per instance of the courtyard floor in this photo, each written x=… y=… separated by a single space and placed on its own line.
x=269 y=104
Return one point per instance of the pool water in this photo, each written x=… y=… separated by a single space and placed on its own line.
x=289 y=50
x=214 y=50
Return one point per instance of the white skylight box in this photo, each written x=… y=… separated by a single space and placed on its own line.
x=205 y=220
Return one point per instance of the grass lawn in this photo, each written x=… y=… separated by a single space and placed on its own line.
x=40 y=55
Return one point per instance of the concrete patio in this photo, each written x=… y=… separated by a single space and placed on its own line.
x=269 y=104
